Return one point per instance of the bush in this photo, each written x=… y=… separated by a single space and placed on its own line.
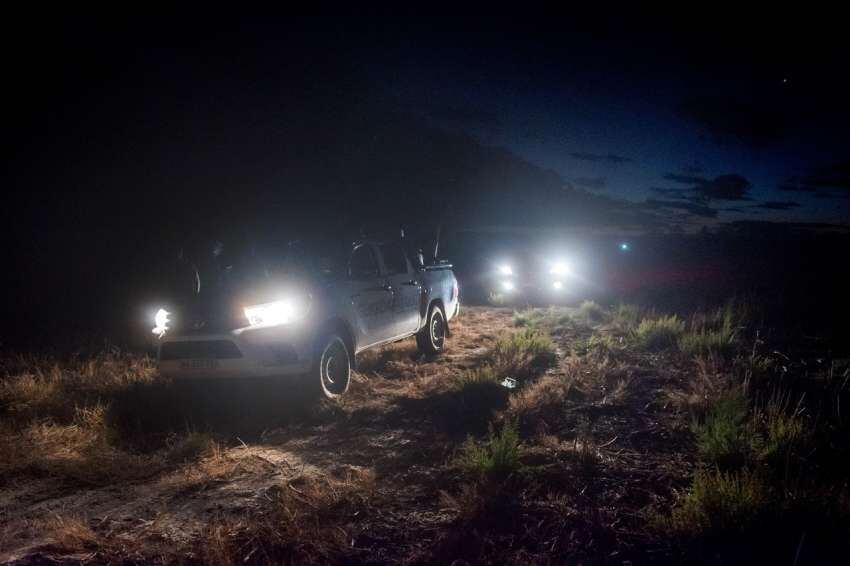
x=724 y=436
x=782 y=432
x=496 y=457
x=716 y=331
x=720 y=502
x=731 y=436
x=602 y=345
x=523 y=353
x=592 y=311
x=529 y=318
x=626 y=317
x=656 y=334
x=703 y=339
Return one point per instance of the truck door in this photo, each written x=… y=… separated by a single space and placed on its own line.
x=371 y=297
x=407 y=289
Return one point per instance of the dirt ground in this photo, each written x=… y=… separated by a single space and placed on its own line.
x=374 y=478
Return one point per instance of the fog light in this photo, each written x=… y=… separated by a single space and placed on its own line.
x=557 y=285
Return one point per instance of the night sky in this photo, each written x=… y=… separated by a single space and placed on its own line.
x=729 y=123
x=694 y=120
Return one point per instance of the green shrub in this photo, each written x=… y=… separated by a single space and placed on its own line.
x=602 y=345
x=703 y=342
x=529 y=318
x=715 y=335
x=725 y=436
x=523 y=353
x=782 y=432
x=626 y=317
x=476 y=377
x=656 y=334
x=721 y=502
x=592 y=311
x=497 y=456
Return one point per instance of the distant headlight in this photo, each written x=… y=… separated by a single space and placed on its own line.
x=161 y=321
x=505 y=270
x=508 y=285
x=557 y=285
x=561 y=268
x=272 y=314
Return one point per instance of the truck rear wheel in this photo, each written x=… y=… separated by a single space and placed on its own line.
x=432 y=337
x=332 y=369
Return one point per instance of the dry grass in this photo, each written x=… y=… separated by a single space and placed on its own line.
x=307 y=520
x=543 y=400
x=588 y=445
x=709 y=380
x=71 y=533
x=56 y=420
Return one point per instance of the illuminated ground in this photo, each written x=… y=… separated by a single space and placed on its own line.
x=231 y=473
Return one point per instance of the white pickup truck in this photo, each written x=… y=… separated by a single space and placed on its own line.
x=304 y=311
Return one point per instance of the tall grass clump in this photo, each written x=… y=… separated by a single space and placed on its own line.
x=724 y=436
x=626 y=317
x=660 y=333
x=529 y=318
x=714 y=334
x=766 y=435
x=721 y=502
x=591 y=311
x=496 y=457
x=783 y=432
x=523 y=353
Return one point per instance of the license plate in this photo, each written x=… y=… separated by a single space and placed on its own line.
x=199 y=364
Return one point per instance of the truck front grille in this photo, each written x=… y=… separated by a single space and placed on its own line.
x=212 y=349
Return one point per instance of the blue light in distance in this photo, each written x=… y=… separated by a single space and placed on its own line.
x=625 y=246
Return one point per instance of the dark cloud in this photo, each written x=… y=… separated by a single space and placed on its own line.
x=830 y=181
x=611 y=158
x=595 y=183
x=685 y=179
x=777 y=205
x=757 y=120
x=694 y=169
x=724 y=187
x=680 y=194
x=691 y=208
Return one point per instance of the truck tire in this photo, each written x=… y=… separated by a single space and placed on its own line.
x=331 y=372
x=432 y=337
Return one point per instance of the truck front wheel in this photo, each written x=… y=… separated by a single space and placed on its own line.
x=332 y=368
x=432 y=337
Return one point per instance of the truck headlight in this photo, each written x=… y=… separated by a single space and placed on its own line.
x=505 y=269
x=161 y=321
x=560 y=268
x=274 y=313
